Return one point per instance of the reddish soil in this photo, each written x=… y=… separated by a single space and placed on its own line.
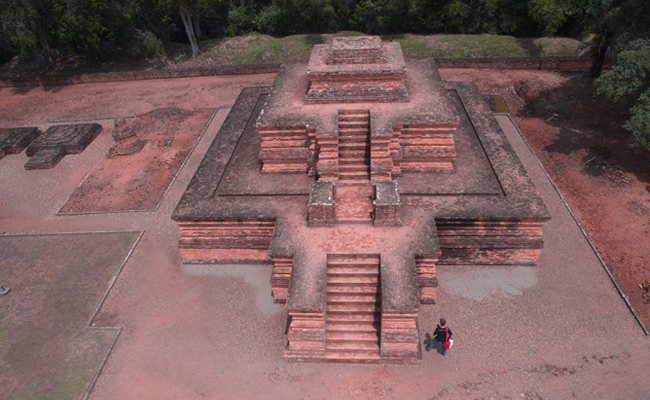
x=139 y=181
x=579 y=139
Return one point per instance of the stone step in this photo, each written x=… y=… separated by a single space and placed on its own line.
x=356 y=337
x=352 y=357
x=353 y=181
x=355 y=125
x=359 y=167
x=352 y=268
x=357 y=308
x=354 y=220
x=361 y=126
x=353 y=274
x=351 y=154
x=351 y=299
x=347 y=146
x=355 y=175
x=359 y=117
x=353 y=139
x=352 y=280
x=352 y=289
x=354 y=111
x=345 y=318
x=353 y=347
x=346 y=326
x=354 y=160
x=353 y=258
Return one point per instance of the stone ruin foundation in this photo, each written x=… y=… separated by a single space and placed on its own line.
x=57 y=142
x=355 y=177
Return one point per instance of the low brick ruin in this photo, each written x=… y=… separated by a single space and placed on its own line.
x=355 y=177
x=57 y=142
x=126 y=139
x=15 y=140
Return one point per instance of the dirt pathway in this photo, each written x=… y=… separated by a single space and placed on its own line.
x=581 y=143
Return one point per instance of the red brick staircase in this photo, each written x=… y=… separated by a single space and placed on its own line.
x=352 y=316
x=354 y=146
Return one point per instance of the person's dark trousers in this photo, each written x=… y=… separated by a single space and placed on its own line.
x=432 y=344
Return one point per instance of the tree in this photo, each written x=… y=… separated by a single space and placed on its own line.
x=628 y=27
x=290 y=17
x=190 y=11
x=630 y=76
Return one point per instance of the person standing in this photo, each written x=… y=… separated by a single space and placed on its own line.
x=441 y=335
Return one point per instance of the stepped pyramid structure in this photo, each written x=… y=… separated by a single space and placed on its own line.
x=356 y=177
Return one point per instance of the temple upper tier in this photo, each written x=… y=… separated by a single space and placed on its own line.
x=411 y=119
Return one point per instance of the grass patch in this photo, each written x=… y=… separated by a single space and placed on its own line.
x=260 y=49
x=413 y=48
x=464 y=46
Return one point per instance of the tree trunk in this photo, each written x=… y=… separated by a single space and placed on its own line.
x=242 y=3
x=189 y=29
x=197 y=27
x=599 y=59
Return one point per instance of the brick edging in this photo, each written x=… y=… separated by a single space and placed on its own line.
x=529 y=63
x=139 y=75
x=545 y=63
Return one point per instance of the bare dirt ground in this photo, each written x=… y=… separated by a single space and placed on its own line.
x=139 y=181
x=581 y=143
x=555 y=331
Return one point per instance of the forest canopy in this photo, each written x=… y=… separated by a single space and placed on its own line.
x=140 y=28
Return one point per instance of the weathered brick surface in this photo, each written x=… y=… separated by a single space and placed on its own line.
x=14 y=140
x=126 y=138
x=306 y=336
x=321 y=210
x=400 y=338
x=234 y=234
x=287 y=149
x=356 y=50
x=139 y=75
x=356 y=70
x=45 y=159
x=282 y=267
x=388 y=207
x=427 y=277
x=490 y=242
x=501 y=63
x=423 y=145
x=58 y=141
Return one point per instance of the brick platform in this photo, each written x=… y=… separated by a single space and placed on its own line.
x=59 y=141
x=373 y=204
x=356 y=70
x=14 y=140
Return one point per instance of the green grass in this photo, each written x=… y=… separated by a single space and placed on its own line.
x=462 y=46
x=68 y=384
x=413 y=48
x=258 y=49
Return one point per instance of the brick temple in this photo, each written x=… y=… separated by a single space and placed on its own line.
x=356 y=176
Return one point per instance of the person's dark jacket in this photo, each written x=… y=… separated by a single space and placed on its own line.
x=441 y=334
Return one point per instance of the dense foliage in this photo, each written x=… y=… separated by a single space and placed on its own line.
x=626 y=27
x=132 y=28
